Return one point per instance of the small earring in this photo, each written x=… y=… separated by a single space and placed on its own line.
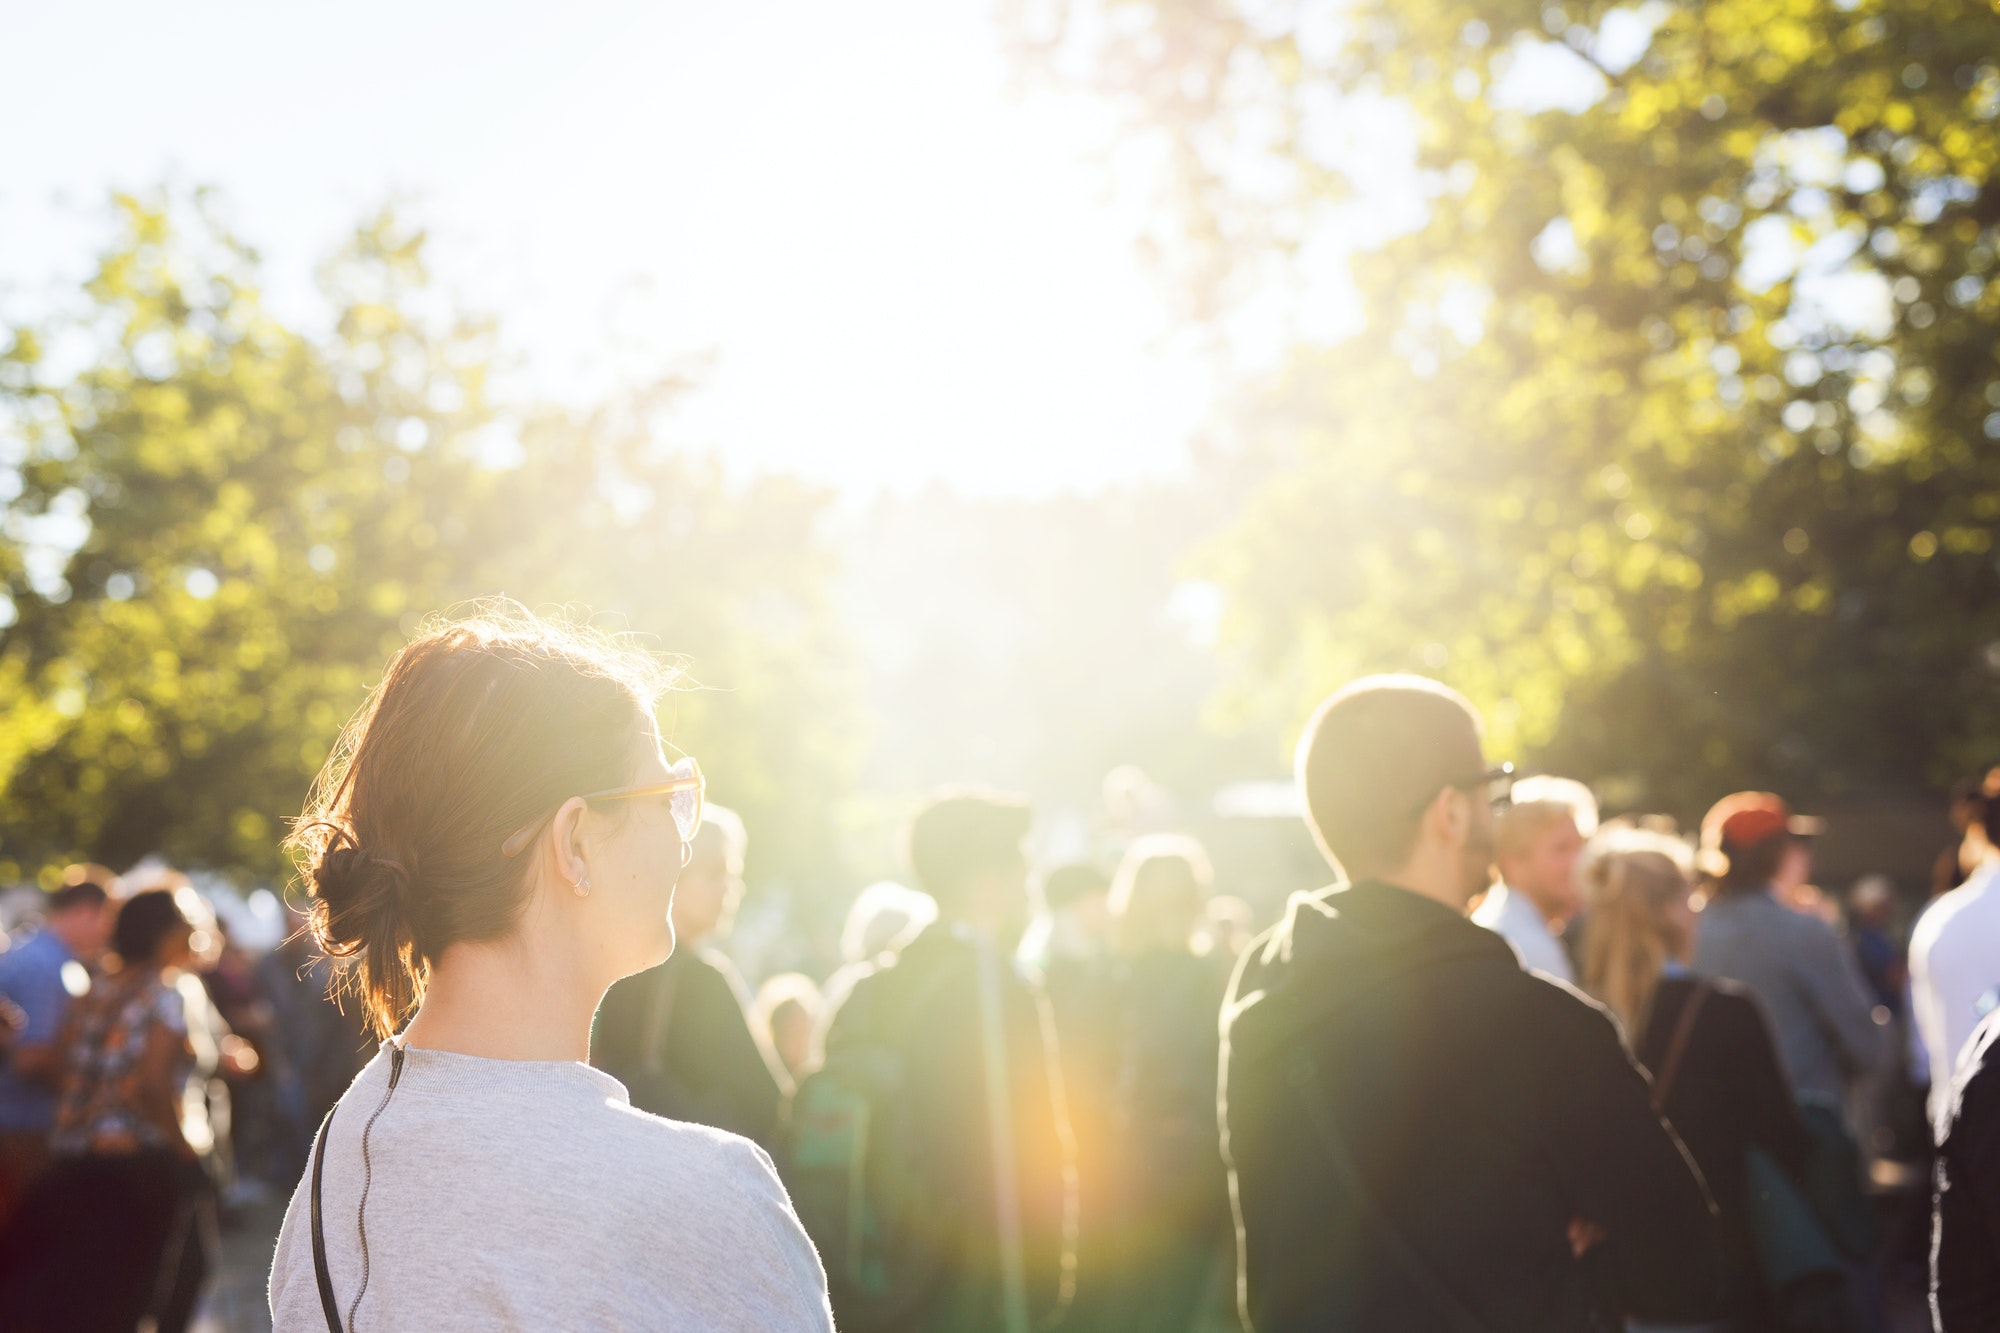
x=582 y=886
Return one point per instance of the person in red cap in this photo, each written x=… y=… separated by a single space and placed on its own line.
x=1818 y=1002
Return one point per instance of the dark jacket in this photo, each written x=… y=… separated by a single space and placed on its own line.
x=1485 y=1108
x=1157 y=1241
x=1728 y=1095
x=677 y=1037
x=925 y=1002
x=1965 y=1253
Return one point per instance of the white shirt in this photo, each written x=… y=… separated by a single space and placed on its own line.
x=1955 y=971
x=1514 y=918
x=517 y=1194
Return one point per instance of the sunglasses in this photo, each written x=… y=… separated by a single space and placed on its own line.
x=1497 y=783
x=683 y=787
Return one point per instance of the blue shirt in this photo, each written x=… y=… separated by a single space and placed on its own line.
x=31 y=975
x=1820 y=1008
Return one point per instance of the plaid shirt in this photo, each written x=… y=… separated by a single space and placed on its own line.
x=104 y=1096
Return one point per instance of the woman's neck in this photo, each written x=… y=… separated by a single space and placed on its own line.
x=506 y=1001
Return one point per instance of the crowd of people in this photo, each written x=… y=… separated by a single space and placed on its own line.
x=150 y=1071
x=1518 y=1068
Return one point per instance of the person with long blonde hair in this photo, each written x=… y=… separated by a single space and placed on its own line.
x=1706 y=1043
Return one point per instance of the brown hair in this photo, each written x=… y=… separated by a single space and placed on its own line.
x=85 y=884
x=1748 y=869
x=962 y=834
x=1632 y=879
x=479 y=726
x=1158 y=892
x=1373 y=758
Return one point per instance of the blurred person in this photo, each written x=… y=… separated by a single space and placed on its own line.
x=1965 y=1245
x=1134 y=805
x=1228 y=925
x=317 y=1047
x=244 y=1104
x=1069 y=947
x=1888 y=1111
x=1537 y=839
x=785 y=1017
x=1791 y=883
x=1967 y=810
x=1168 y=1216
x=494 y=841
x=1421 y=1134
x=41 y=977
x=1075 y=920
x=1834 y=1050
x=120 y=1227
x=679 y=1035
x=1794 y=963
x=930 y=1151
x=1157 y=898
x=1954 y=964
x=1871 y=907
x=882 y=918
x=1706 y=1045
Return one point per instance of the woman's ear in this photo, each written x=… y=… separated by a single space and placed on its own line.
x=568 y=852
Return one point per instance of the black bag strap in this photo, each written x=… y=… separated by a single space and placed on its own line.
x=1457 y=1316
x=1670 y=1064
x=327 y=1303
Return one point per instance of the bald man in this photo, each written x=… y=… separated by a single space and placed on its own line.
x=1423 y=1136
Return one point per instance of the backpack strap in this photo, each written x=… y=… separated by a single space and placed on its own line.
x=1455 y=1316
x=327 y=1304
x=1670 y=1064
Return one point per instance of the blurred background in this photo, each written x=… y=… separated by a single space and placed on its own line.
x=1061 y=397
x=976 y=395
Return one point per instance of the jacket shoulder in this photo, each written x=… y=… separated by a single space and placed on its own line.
x=1561 y=1013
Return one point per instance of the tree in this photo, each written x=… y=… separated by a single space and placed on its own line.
x=1671 y=436
x=221 y=528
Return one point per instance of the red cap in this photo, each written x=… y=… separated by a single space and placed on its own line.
x=1750 y=817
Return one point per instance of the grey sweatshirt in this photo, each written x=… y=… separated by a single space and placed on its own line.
x=530 y=1195
x=1808 y=982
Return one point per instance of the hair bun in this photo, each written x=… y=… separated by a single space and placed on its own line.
x=360 y=895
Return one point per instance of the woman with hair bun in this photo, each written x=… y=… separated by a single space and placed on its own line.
x=493 y=843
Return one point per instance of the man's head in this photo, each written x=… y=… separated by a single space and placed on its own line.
x=1752 y=840
x=711 y=885
x=1081 y=892
x=1872 y=901
x=1537 y=839
x=1395 y=786
x=80 y=910
x=965 y=849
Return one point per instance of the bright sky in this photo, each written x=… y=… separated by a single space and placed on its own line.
x=904 y=273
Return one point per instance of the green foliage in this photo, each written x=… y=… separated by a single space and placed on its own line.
x=223 y=528
x=1671 y=437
